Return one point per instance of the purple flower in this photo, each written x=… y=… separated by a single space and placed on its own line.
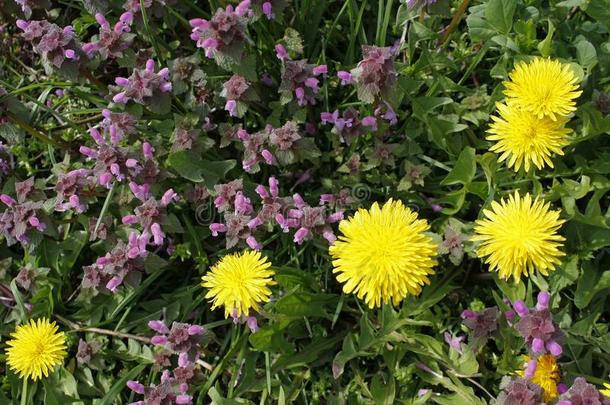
x=111 y=42
x=281 y=52
x=375 y=74
x=221 y=37
x=21 y=219
x=86 y=350
x=143 y=85
x=483 y=325
x=348 y=125
x=268 y=10
x=537 y=326
x=299 y=79
x=225 y=194
x=517 y=391
x=455 y=342
x=52 y=43
x=346 y=77
x=583 y=393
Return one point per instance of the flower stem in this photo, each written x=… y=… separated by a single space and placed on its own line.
x=24 y=392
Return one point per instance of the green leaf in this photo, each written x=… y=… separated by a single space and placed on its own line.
x=600 y=11
x=464 y=169
x=500 y=14
x=193 y=168
x=119 y=385
x=218 y=399
x=589 y=285
x=545 y=45
x=303 y=303
x=383 y=389
x=586 y=54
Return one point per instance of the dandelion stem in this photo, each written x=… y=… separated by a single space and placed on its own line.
x=24 y=391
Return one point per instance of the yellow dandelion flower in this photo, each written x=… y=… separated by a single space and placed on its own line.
x=606 y=391
x=518 y=236
x=239 y=282
x=544 y=87
x=523 y=138
x=383 y=254
x=35 y=349
x=546 y=376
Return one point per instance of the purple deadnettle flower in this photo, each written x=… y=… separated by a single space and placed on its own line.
x=70 y=188
x=151 y=214
x=517 y=391
x=583 y=393
x=223 y=36
x=143 y=84
x=308 y=221
x=483 y=325
x=235 y=92
x=54 y=44
x=118 y=125
x=113 y=162
x=375 y=74
x=22 y=217
x=111 y=41
x=123 y=262
x=300 y=80
x=537 y=327
x=348 y=125
x=346 y=77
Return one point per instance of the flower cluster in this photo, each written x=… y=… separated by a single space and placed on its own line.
x=538 y=382
x=224 y=35
x=583 y=393
x=115 y=163
x=143 y=85
x=111 y=41
x=70 y=189
x=299 y=79
x=537 y=327
x=348 y=125
x=531 y=123
x=483 y=324
x=241 y=221
x=235 y=91
x=183 y=342
x=150 y=215
x=283 y=146
x=22 y=217
x=53 y=43
x=123 y=263
x=375 y=73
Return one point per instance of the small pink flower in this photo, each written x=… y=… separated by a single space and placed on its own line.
x=281 y=52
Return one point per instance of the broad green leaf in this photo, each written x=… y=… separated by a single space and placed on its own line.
x=464 y=169
x=383 y=389
x=500 y=14
x=192 y=167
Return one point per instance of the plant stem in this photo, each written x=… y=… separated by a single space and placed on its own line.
x=24 y=391
x=78 y=328
x=457 y=16
x=33 y=131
